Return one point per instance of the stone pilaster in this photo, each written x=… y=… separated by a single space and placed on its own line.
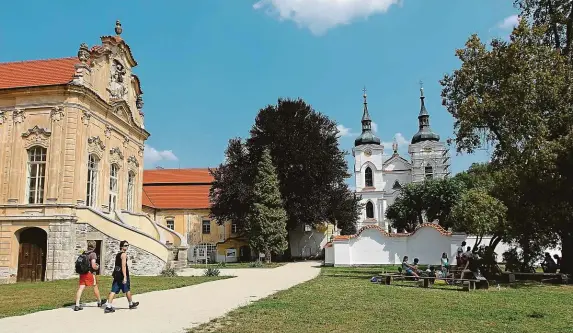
x=61 y=254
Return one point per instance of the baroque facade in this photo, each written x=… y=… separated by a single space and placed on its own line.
x=71 y=165
x=379 y=177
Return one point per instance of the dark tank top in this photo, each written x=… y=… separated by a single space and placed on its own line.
x=118 y=263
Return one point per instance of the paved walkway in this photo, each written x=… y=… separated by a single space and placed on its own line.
x=169 y=311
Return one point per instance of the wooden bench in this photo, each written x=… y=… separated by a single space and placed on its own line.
x=426 y=281
x=541 y=277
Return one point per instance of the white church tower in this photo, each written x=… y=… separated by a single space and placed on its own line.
x=380 y=178
x=368 y=171
x=430 y=156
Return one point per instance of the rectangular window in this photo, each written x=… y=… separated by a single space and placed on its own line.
x=234 y=228
x=206 y=227
x=113 y=178
x=170 y=224
x=36 y=174
x=130 y=190
x=91 y=195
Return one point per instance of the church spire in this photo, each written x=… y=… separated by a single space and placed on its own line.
x=367 y=137
x=425 y=133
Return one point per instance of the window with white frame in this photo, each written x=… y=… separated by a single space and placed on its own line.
x=206 y=227
x=234 y=228
x=91 y=195
x=36 y=174
x=130 y=190
x=170 y=224
x=113 y=186
x=204 y=249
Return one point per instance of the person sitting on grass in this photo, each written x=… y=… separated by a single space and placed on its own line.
x=408 y=269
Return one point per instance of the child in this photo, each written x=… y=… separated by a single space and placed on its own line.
x=445 y=263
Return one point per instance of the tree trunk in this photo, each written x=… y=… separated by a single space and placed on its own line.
x=268 y=256
x=477 y=243
x=494 y=242
x=567 y=253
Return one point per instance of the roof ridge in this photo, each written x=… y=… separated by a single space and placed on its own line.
x=38 y=60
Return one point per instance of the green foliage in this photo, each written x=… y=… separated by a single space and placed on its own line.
x=168 y=272
x=265 y=225
x=516 y=95
x=478 y=213
x=432 y=198
x=211 y=271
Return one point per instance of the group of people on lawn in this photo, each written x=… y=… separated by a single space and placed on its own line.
x=466 y=260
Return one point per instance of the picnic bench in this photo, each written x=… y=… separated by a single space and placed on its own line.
x=427 y=281
x=541 y=277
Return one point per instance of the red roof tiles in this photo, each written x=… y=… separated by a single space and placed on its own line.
x=439 y=228
x=177 y=188
x=37 y=72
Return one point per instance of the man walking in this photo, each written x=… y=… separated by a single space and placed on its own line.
x=86 y=266
x=121 y=281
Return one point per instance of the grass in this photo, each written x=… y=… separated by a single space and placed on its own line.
x=343 y=300
x=237 y=265
x=22 y=298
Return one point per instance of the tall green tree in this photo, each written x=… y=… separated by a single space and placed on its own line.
x=265 y=224
x=310 y=165
x=231 y=191
x=344 y=209
x=517 y=96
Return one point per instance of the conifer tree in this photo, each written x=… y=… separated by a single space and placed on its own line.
x=266 y=220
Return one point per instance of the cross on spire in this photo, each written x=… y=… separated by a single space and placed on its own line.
x=421 y=88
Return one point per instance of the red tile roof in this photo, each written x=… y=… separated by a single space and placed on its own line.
x=439 y=228
x=37 y=72
x=162 y=176
x=177 y=188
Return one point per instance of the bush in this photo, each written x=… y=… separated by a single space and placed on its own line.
x=212 y=271
x=168 y=272
x=256 y=264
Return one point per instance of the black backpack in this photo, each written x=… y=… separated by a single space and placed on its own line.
x=83 y=263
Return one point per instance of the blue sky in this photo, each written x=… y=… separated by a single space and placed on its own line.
x=208 y=66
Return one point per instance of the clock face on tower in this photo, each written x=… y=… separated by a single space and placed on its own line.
x=368 y=152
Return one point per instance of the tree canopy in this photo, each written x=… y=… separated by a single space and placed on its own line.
x=517 y=95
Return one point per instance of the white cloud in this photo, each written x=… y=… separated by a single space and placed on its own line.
x=152 y=156
x=400 y=139
x=343 y=130
x=321 y=15
x=509 y=22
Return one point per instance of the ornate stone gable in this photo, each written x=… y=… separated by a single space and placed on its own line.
x=96 y=146
x=36 y=136
x=116 y=156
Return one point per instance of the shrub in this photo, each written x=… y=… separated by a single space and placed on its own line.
x=256 y=264
x=212 y=271
x=168 y=272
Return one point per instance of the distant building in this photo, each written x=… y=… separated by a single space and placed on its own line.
x=380 y=177
x=179 y=200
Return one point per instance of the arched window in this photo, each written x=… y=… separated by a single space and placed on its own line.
x=36 y=174
x=429 y=171
x=368 y=177
x=369 y=210
x=91 y=195
x=130 y=190
x=113 y=186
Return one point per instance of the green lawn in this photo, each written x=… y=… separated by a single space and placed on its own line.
x=21 y=298
x=237 y=265
x=343 y=300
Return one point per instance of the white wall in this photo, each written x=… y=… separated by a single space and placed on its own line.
x=372 y=246
x=307 y=244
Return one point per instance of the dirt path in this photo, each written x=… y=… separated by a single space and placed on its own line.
x=169 y=311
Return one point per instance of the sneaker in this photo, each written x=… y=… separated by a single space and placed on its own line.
x=101 y=303
x=109 y=310
x=78 y=308
x=134 y=305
